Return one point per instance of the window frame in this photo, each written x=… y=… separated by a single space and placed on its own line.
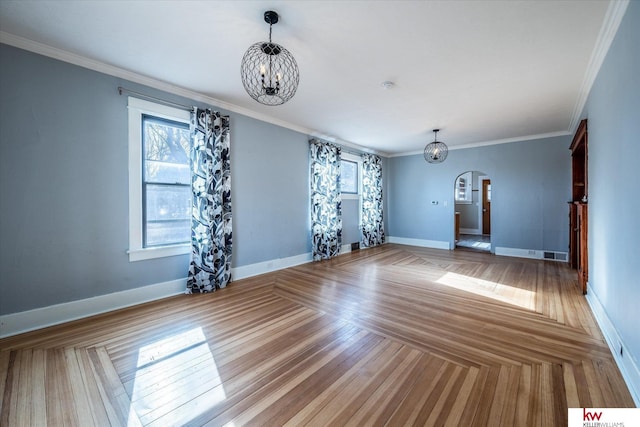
x=137 y=109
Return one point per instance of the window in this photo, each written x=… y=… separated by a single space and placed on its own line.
x=166 y=182
x=350 y=170
x=348 y=177
x=463 y=189
x=159 y=181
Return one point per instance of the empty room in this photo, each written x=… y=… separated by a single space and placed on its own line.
x=327 y=213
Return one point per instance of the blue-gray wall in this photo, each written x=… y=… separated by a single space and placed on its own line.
x=530 y=187
x=350 y=221
x=613 y=111
x=64 y=187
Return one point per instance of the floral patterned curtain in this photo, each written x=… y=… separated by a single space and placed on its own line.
x=326 y=203
x=372 y=223
x=210 y=266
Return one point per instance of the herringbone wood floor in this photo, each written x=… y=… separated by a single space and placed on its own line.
x=394 y=335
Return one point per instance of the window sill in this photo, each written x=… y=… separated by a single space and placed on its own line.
x=159 y=252
x=349 y=196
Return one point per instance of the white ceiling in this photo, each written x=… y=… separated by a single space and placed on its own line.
x=481 y=71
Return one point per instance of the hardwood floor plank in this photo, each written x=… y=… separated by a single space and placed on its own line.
x=276 y=385
x=244 y=390
x=23 y=410
x=426 y=373
x=559 y=393
x=119 y=409
x=4 y=372
x=460 y=403
x=91 y=388
x=442 y=407
x=83 y=408
x=285 y=408
x=369 y=370
x=340 y=392
x=571 y=390
x=37 y=388
x=10 y=385
x=523 y=397
x=499 y=397
x=372 y=400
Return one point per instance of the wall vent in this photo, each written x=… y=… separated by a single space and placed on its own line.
x=555 y=256
x=355 y=246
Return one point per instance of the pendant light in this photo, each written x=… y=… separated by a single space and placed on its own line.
x=269 y=72
x=436 y=152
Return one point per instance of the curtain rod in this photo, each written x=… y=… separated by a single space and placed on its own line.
x=344 y=148
x=169 y=103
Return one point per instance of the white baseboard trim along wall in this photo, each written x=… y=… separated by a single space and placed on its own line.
x=250 y=270
x=532 y=253
x=25 y=321
x=626 y=364
x=435 y=244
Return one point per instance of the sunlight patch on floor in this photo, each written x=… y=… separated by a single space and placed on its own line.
x=176 y=380
x=496 y=291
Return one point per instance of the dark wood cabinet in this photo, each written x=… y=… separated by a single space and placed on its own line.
x=578 y=206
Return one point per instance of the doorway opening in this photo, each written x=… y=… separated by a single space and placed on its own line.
x=472 y=210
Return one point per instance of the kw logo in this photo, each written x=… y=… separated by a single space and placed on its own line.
x=590 y=416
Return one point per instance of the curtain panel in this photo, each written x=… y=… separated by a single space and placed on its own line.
x=326 y=202
x=211 y=237
x=372 y=220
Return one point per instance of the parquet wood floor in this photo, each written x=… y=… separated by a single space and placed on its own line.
x=394 y=335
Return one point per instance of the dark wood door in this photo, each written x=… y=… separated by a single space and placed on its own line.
x=486 y=206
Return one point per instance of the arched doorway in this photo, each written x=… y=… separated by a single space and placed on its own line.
x=472 y=210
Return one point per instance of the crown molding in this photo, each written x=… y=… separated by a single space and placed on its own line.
x=101 y=67
x=494 y=142
x=610 y=25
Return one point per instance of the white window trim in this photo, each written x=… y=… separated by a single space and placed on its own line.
x=138 y=107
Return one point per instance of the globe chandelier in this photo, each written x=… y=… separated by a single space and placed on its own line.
x=269 y=72
x=436 y=152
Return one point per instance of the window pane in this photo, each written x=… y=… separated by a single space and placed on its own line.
x=167 y=214
x=167 y=173
x=166 y=151
x=348 y=177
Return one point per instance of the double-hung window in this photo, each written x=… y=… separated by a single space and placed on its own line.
x=159 y=180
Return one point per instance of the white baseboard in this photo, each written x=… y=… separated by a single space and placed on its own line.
x=271 y=265
x=533 y=254
x=470 y=231
x=519 y=253
x=345 y=249
x=435 y=244
x=626 y=364
x=25 y=321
